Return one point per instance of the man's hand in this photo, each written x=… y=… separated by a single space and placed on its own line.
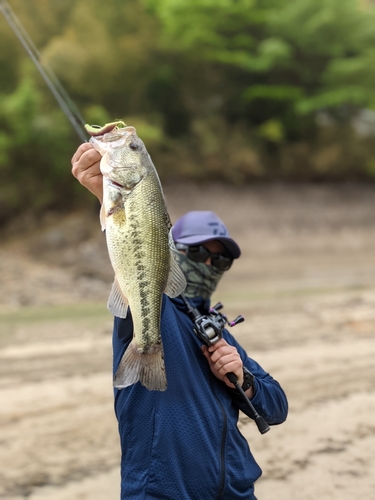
x=224 y=358
x=86 y=168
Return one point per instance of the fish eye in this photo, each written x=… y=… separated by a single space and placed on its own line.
x=133 y=146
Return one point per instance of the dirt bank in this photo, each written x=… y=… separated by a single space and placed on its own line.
x=306 y=286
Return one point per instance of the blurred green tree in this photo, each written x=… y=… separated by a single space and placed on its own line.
x=232 y=89
x=280 y=64
x=282 y=56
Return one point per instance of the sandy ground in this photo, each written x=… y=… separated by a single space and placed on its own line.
x=306 y=286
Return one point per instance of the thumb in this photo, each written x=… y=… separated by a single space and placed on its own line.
x=206 y=353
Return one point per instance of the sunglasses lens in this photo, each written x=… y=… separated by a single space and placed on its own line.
x=220 y=262
x=198 y=253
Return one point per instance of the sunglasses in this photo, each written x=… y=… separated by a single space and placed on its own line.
x=199 y=253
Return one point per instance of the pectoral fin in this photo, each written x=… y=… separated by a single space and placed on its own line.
x=176 y=283
x=117 y=304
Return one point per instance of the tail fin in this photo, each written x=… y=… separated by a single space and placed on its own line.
x=148 y=368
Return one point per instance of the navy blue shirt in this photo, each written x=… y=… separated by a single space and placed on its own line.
x=184 y=442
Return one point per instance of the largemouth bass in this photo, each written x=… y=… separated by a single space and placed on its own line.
x=140 y=247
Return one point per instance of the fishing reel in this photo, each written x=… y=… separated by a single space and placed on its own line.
x=209 y=328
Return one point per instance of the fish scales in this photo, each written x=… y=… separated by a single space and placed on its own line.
x=140 y=249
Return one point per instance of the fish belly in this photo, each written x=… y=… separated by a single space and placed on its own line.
x=137 y=239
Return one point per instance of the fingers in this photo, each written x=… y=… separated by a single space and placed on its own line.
x=207 y=355
x=224 y=358
x=86 y=146
x=86 y=168
x=86 y=158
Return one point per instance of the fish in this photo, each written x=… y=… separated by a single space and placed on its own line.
x=140 y=247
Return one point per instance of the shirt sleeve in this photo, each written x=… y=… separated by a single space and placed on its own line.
x=269 y=399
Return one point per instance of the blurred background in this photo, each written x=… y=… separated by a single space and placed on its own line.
x=261 y=110
x=238 y=91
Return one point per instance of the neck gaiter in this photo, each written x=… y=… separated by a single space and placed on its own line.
x=201 y=279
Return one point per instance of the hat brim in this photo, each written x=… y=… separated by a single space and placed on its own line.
x=229 y=244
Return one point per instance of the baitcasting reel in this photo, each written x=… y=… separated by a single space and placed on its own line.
x=209 y=328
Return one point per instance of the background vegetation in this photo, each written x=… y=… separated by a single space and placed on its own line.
x=235 y=90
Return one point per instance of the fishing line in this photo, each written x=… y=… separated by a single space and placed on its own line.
x=69 y=108
x=48 y=69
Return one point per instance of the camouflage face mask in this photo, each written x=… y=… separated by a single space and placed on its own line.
x=201 y=279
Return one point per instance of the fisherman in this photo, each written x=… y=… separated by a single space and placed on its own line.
x=184 y=443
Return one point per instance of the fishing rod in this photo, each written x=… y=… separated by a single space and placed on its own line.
x=209 y=328
x=69 y=108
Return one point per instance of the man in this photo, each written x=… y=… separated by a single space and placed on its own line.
x=184 y=443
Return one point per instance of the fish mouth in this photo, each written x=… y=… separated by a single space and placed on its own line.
x=115 y=184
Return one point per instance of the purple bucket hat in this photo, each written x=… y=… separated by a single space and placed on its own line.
x=197 y=227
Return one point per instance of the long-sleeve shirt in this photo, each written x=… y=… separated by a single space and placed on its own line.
x=184 y=443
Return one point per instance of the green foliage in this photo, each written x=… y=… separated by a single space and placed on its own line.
x=311 y=54
x=34 y=146
x=227 y=89
x=283 y=62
